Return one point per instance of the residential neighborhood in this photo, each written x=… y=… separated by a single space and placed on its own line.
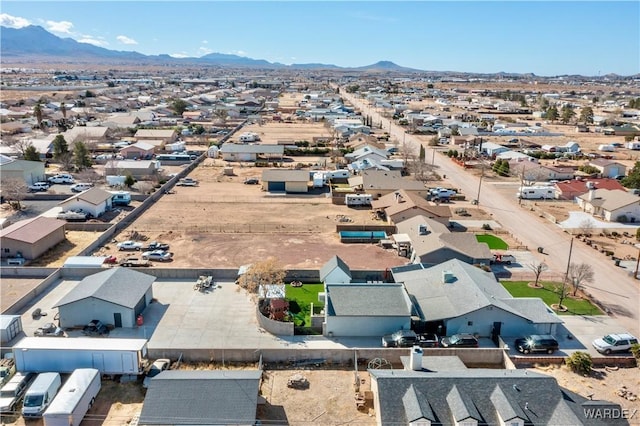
x=241 y=246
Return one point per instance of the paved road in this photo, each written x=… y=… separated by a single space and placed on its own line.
x=613 y=287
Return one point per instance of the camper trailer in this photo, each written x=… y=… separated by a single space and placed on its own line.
x=358 y=200
x=249 y=137
x=536 y=192
x=74 y=399
x=634 y=145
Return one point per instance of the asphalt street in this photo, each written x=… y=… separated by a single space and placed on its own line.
x=613 y=287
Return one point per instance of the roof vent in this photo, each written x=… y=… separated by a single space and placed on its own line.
x=447 y=277
x=423 y=229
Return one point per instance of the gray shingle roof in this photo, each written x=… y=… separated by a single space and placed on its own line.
x=367 y=300
x=121 y=286
x=481 y=394
x=333 y=263
x=416 y=406
x=202 y=398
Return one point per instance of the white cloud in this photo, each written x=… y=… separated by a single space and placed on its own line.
x=238 y=52
x=205 y=42
x=92 y=40
x=126 y=40
x=179 y=55
x=63 y=27
x=205 y=50
x=7 y=20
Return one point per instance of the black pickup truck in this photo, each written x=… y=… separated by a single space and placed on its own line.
x=408 y=338
x=95 y=328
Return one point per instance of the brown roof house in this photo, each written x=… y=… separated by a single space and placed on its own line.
x=611 y=205
x=32 y=237
x=608 y=168
x=533 y=172
x=283 y=180
x=94 y=201
x=402 y=205
x=574 y=188
x=138 y=150
x=382 y=182
x=166 y=136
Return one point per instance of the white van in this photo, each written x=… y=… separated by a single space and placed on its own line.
x=74 y=399
x=40 y=394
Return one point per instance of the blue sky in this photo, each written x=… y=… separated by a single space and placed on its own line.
x=545 y=38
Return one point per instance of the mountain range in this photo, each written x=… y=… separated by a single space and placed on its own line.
x=35 y=42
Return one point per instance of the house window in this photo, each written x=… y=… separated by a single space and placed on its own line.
x=469 y=323
x=6 y=250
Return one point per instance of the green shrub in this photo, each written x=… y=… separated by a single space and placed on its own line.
x=486 y=227
x=580 y=362
x=635 y=351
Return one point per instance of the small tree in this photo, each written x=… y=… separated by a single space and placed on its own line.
x=14 y=190
x=37 y=111
x=60 y=147
x=31 y=154
x=580 y=363
x=578 y=274
x=179 y=106
x=586 y=115
x=538 y=268
x=562 y=290
x=567 y=114
x=552 y=113
x=129 y=181
x=586 y=227
x=264 y=272
x=81 y=158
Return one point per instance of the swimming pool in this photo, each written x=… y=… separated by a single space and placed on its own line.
x=362 y=236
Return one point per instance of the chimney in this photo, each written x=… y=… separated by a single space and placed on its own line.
x=415 y=358
x=592 y=194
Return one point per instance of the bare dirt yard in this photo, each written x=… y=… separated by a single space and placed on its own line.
x=225 y=223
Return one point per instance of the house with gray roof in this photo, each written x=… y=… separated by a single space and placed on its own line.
x=611 y=204
x=335 y=271
x=433 y=243
x=114 y=296
x=481 y=397
x=243 y=152
x=462 y=298
x=367 y=152
x=365 y=309
x=401 y=205
x=382 y=182
x=94 y=201
x=214 y=397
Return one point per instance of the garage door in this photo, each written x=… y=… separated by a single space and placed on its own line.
x=614 y=171
x=276 y=186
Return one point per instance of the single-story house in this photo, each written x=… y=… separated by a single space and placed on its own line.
x=515 y=156
x=571 y=189
x=381 y=182
x=282 y=180
x=491 y=148
x=137 y=169
x=457 y=297
x=367 y=152
x=611 y=205
x=138 y=150
x=86 y=134
x=433 y=243
x=165 y=135
x=94 y=201
x=365 y=309
x=243 y=152
x=213 y=397
x=335 y=271
x=534 y=172
x=30 y=238
x=479 y=396
x=609 y=168
x=15 y=127
x=114 y=296
x=401 y=205
x=21 y=170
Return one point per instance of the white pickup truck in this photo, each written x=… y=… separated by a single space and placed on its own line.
x=187 y=182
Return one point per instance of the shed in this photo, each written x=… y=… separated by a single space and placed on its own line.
x=94 y=201
x=21 y=170
x=84 y=262
x=32 y=237
x=335 y=271
x=10 y=327
x=115 y=296
x=275 y=180
x=219 y=397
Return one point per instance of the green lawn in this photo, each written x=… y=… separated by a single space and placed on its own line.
x=492 y=241
x=300 y=300
x=549 y=295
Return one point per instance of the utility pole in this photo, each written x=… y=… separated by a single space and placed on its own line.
x=635 y=273
x=566 y=274
x=480 y=184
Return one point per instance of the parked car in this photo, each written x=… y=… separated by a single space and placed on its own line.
x=459 y=341
x=49 y=330
x=536 y=343
x=81 y=186
x=251 y=181
x=400 y=339
x=428 y=340
x=154 y=245
x=156 y=368
x=61 y=178
x=12 y=392
x=38 y=187
x=129 y=245
x=157 y=255
x=187 y=182
x=95 y=328
x=621 y=342
x=499 y=259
